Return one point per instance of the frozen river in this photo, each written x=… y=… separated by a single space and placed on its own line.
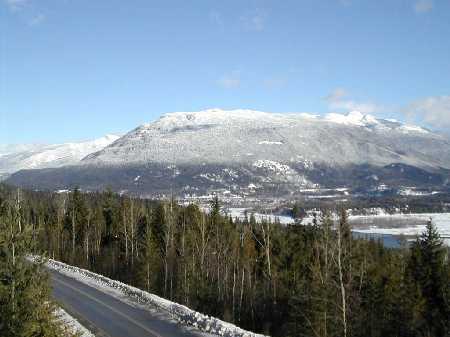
x=389 y=228
x=408 y=225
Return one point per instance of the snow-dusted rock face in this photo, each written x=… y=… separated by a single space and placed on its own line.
x=245 y=136
x=35 y=156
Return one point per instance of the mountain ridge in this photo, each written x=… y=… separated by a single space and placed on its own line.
x=248 y=136
x=248 y=152
x=14 y=158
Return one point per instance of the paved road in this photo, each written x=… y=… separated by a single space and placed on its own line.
x=107 y=316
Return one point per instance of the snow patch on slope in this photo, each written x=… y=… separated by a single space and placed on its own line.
x=411 y=128
x=268 y=142
x=353 y=118
x=273 y=166
x=71 y=324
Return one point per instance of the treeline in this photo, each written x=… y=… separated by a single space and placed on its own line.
x=437 y=203
x=26 y=309
x=279 y=280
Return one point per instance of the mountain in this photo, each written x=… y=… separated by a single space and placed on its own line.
x=250 y=137
x=14 y=158
x=252 y=152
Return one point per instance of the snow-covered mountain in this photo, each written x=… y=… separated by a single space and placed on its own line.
x=248 y=152
x=14 y=158
x=249 y=137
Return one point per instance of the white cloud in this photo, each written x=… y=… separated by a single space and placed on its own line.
x=365 y=108
x=434 y=111
x=255 y=20
x=338 y=100
x=231 y=80
x=423 y=6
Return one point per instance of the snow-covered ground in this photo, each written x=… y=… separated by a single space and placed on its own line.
x=259 y=217
x=398 y=224
x=377 y=222
x=147 y=301
x=418 y=223
x=71 y=324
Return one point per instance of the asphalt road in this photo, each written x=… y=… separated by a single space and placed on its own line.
x=107 y=316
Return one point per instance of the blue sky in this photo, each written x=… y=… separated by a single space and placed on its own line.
x=78 y=69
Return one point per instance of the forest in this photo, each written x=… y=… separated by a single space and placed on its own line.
x=280 y=280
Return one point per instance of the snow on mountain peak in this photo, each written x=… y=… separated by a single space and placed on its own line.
x=213 y=116
x=54 y=155
x=245 y=136
x=352 y=118
x=176 y=121
x=207 y=118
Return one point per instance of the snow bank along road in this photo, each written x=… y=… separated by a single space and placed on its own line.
x=114 y=309
x=107 y=316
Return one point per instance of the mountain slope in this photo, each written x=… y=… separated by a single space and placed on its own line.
x=249 y=137
x=35 y=156
x=245 y=152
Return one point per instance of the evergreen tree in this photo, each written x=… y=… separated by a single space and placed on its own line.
x=25 y=309
x=428 y=269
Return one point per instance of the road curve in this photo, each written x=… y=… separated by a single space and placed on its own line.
x=107 y=316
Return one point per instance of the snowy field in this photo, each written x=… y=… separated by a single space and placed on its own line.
x=402 y=224
x=240 y=214
x=408 y=225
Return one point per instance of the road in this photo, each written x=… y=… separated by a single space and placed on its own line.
x=107 y=316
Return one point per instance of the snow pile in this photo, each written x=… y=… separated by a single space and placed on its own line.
x=71 y=324
x=134 y=295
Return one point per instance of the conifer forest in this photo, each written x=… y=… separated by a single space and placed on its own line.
x=279 y=280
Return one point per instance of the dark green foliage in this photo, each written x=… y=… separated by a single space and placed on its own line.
x=428 y=269
x=25 y=307
x=278 y=280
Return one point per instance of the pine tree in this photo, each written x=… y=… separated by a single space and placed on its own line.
x=25 y=309
x=428 y=270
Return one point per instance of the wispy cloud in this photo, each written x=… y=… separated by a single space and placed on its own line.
x=274 y=83
x=216 y=18
x=26 y=11
x=336 y=95
x=434 y=111
x=16 y=4
x=255 y=20
x=338 y=100
x=345 y=2
x=423 y=6
x=38 y=19
x=231 y=80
